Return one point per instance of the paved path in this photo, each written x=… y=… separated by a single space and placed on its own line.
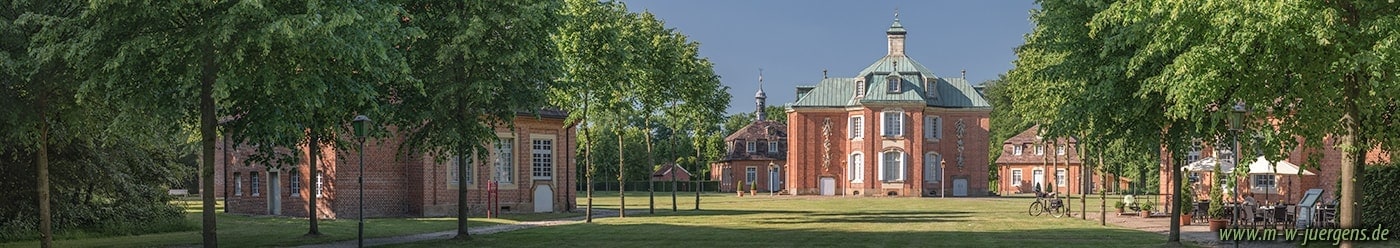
x=597 y=213
x=1196 y=233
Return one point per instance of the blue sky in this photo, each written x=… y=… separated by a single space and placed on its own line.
x=793 y=40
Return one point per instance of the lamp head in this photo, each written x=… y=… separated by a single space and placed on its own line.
x=359 y=124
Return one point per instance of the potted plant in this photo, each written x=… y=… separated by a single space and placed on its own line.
x=740 y=188
x=1119 y=206
x=1187 y=203
x=1217 y=205
x=753 y=188
x=1146 y=211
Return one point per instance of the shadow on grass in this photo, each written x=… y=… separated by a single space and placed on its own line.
x=876 y=217
x=647 y=235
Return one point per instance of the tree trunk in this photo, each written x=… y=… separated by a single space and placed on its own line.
x=1174 y=225
x=651 y=184
x=463 y=209
x=698 y=163
x=313 y=159
x=621 y=175
x=209 y=72
x=674 y=208
x=588 y=170
x=1083 y=180
x=1353 y=158
x=1103 y=192
x=45 y=211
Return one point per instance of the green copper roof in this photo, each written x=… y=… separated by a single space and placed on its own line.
x=896 y=28
x=840 y=92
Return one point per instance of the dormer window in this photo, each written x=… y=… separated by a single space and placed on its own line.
x=1017 y=150
x=930 y=89
x=892 y=84
x=751 y=147
x=860 y=88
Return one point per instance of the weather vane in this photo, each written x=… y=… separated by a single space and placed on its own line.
x=896 y=13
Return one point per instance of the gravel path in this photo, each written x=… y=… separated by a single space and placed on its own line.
x=1195 y=233
x=598 y=213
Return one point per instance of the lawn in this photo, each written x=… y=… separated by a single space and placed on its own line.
x=763 y=221
x=261 y=231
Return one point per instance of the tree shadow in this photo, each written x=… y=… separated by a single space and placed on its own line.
x=876 y=217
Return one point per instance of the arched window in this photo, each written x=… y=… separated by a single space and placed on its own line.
x=857 y=170
x=892 y=166
x=237 y=184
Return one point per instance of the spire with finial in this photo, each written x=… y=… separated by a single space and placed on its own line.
x=964 y=73
x=824 y=73
x=759 y=98
x=895 y=35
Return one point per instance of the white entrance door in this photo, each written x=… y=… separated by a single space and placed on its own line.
x=959 y=187
x=1038 y=177
x=274 y=194
x=774 y=182
x=544 y=199
x=828 y=186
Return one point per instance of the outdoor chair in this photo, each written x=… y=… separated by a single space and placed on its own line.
x=1199 y=213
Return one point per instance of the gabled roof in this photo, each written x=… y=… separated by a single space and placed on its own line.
x=769 y=130
x=667 y=168
x=1032 y=136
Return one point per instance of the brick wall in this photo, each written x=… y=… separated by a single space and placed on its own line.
x=412 y=185
x=806 y=146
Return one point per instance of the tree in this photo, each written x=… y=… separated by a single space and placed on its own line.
x=484 y=63
x=214 y=51
x=590 y=58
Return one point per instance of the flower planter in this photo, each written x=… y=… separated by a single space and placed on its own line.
x=1217 y=224
x=1186 y=219
x=753 y=192
x=1145 y=214
x=741 y=192
x=1120 y=212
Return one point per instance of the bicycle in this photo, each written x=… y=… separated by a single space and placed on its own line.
x=1047 y=203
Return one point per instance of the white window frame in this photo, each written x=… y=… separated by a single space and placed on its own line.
x=934 y=172
x=1039 y=175
x=1039 y=150
x=1060 y=150
x=320 y=184
x=541 y=159
x=893 y=128
x=1257 y=183
x=772 y=147
x=1061 y=178
x=294 y=184
x=857 y=170
x=505 y=161
x=933 y=127
x=893 y=84
x=237 y=184
x=1017 y=149
x=899 y=163
x=857 y=127
x=253 y=183
x=1016 y=177
x=750 y=147
x=750 y=175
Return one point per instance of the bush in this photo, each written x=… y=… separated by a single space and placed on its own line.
x=1379 y=197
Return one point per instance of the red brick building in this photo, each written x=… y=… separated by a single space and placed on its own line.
x=666 y=172
x=895 y=129
x=755 y=154
x=1027 y=160
x=1267 y=187
x=533 y=166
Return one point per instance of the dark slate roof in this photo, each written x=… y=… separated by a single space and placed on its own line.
x=768 y=130
x=666 y=168
x=1032 y=136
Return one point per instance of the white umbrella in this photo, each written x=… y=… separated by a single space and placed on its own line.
x=1209 y=164
x=1262 y=166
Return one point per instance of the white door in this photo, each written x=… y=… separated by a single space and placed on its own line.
x=959 y=187
x=1038 y=177
x=828 y=186
x=274 y=194
x=773 y=181
x=544 y=199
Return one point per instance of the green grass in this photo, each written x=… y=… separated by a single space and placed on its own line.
x=729 y=221
x=245 y=231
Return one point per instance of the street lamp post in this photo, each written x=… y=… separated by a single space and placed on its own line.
x=359 y=124
x=1237 y=125
x=942 y=189
x=772 y=172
